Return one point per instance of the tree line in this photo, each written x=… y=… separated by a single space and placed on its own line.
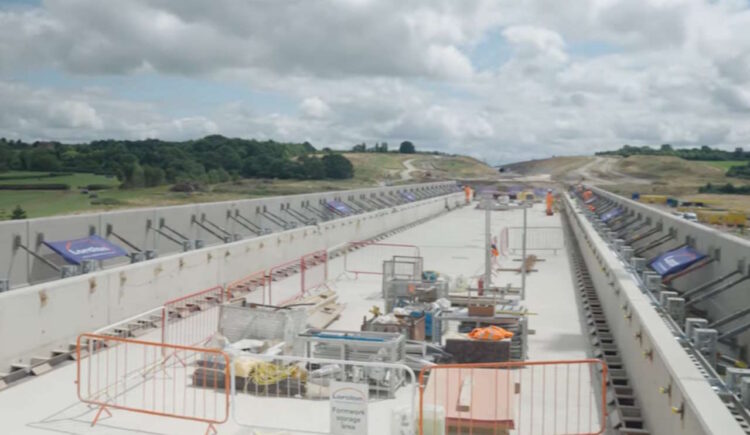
x=152 y=162
x=406 y=147
x=702 y=153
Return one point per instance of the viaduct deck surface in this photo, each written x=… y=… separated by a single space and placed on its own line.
x=451 y=244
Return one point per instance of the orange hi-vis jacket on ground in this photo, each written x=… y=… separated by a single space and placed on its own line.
x=490 y=333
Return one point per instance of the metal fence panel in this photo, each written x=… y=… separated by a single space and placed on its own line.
x=116 y=373
x=530 y=397
x=289 y=393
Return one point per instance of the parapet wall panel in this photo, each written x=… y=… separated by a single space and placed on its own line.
x=37 y=318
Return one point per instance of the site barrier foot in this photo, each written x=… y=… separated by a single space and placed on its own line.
x=99 y=413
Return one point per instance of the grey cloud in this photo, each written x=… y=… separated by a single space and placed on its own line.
x=373 y=70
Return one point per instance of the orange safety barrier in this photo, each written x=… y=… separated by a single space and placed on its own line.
x=313 y=273
x=132 y=375
x=192 y=319
x=249 y=285
x=370 y=255
x=518 y=397
x=314 y=268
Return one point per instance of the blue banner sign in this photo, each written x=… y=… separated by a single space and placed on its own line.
x=88 y=248
x=339 y=207
x=674 y=261
x=408 y=196
x=611 y=214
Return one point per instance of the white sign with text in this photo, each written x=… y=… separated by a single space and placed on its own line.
x=349 y=408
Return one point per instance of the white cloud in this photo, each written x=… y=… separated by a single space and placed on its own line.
x=574 y=77
x=314 y=107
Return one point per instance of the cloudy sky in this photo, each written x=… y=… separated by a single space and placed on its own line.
x=502 y=80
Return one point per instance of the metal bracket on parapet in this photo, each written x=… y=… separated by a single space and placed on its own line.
x=139 y=254
x=217 y=231
x=316 y=212
x=363 y=206
x=658 y=242
x=183 y=241
x=304 y=220
x=643 y=235
x=716 y=291
x=277 y=220
x=17 y=244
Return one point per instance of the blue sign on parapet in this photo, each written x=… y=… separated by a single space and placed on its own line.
x=408 y=196
x=340 y=207
x=674 y=261
x=88 y=248
x=611 y=214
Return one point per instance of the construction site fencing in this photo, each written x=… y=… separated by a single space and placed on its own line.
x=537 y=239
x=314 y=270
x=366 y=257
x=311 y=272
x=114 y=373
x=525 y=397
x=253 y=287
x=192 y=319
x=301 y=394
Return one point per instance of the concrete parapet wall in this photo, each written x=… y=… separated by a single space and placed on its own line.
x=23 y=269
x=655 y=361
x=38 y=318
x=730 y=252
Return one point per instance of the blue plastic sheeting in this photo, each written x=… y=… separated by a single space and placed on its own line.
x=611 y=214
x=408 y=196
x=340 y=207
x=674 y=261
x=515 y=189
x=88 y=248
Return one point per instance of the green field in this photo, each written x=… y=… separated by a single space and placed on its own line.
x=723 y=164
x=370 y=169
x=75 y=180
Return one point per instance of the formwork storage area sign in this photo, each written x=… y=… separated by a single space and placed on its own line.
x=94 y=247
x=349 y=408
x=675 y=261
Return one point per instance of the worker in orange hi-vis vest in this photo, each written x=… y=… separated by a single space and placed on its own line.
x=494 y=251
x=550 y=200
x=467 y=191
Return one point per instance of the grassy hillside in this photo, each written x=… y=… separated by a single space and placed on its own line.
x=665 y=175
x=555 y=166
x=370 y=169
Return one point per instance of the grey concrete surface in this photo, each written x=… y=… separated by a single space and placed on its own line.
x=655 y=361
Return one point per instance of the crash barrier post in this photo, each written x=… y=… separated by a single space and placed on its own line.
x=114 y=373
x=546 y=238
x=308 y=390
x=518 y=397
x=368 y=256
x=192 y=319
x=252 y=286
